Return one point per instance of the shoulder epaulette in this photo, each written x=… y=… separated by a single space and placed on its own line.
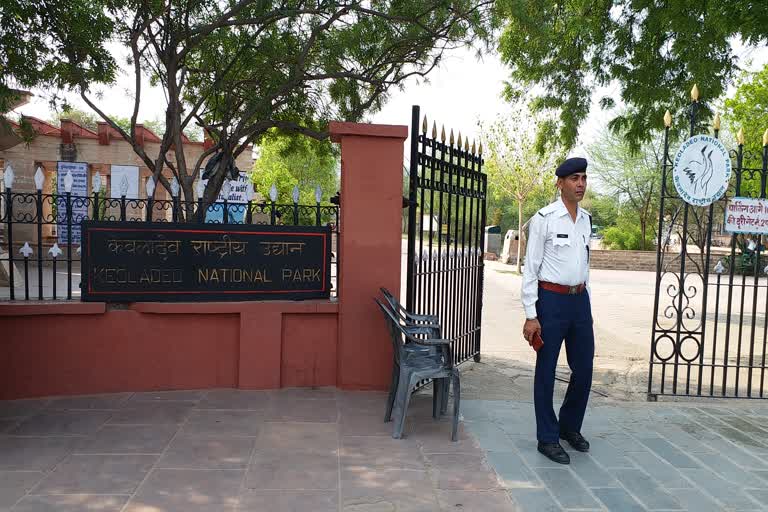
x=548 y=209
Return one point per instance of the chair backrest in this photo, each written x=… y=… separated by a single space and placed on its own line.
x=395 y=332
x=394 y=304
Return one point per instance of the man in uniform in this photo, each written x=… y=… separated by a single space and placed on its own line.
x=555 y=296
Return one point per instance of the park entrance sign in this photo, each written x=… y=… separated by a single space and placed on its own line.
x=702 y=170
x=129 y=262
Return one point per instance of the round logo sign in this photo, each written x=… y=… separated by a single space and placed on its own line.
x=702 y=169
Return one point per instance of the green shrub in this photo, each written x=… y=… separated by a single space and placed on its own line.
x=623 y=237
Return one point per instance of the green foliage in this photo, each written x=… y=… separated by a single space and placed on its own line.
x=287 y=160
x=748 y=110
x=85 y=119
x=633 y=179
x=236 y=68
x=654 y=51
x=624 y=236
x=745 y=258
x=54 y=45
x=603 y=207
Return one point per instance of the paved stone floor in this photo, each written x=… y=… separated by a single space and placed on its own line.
x=328 y=450
x=226 y=450
x=708 y=456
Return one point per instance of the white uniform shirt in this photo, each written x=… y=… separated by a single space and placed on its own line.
x=557 y=252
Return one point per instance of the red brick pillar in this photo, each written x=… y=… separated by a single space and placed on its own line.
x=370 y=247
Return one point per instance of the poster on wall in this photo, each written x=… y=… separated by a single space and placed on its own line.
x=125 y=181
x=237 y=198
x=79 y=172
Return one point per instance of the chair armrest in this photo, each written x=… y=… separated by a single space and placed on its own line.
x=429 y=319
x=429 y=330
x=431 y=342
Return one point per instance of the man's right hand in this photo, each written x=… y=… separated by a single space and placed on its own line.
x=531 y=326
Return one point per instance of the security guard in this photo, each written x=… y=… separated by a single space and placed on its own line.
x=555 y=296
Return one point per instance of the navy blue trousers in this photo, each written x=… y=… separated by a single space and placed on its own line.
x=569 y=318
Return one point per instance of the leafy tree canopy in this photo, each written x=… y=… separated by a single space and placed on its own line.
x=287 y=160
x=748 y=110
x=54 y=45
x=654 y=50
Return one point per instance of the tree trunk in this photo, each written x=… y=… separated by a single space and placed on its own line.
x=519 y=234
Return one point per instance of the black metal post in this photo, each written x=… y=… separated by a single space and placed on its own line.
x=95 y=206
x=200 y=216
x=122 y=208
x=225 y=215
x=9 y=232
x=53 y=274
x=412 y=181
x=272 y=217
x=175 y=208
x=660 y=240
x=317 y=214
x=150 y=204
x=26 y=279
x=69 y=248
x=40 y=243
x=249 y=212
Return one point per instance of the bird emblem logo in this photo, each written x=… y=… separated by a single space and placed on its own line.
x=700 y=172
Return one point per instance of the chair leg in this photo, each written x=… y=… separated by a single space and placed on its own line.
x=456 y=403
x=436 y=396
x=392 y=393
x=398 y=409
x=444 y=397
x=400 y=425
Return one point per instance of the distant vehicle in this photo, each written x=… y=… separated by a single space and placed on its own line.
x=595 y=233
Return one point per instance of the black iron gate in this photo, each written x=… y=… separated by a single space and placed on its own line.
x=446 y=234
x=711 y=300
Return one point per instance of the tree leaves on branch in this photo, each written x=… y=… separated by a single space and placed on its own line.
x=238 y=68
x=652 y=51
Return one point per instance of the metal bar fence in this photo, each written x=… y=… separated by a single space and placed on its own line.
x=446 y=222
x=700 y=349
x=27 y=218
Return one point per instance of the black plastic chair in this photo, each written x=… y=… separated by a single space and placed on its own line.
x=417 y=325
x=415 y=368
x=431 y=321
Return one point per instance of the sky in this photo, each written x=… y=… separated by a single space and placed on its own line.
x=463 y=91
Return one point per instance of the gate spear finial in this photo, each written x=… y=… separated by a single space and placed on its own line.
x=740 y=137
x=695 y=93
x=667 y=119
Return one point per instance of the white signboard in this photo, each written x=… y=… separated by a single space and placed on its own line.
x=124 y=177
x=747 y=215
x=702 y=169
x=79 y=171
x=237 y=192
x=237 y=195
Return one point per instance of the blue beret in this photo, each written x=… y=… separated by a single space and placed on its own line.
x=571 y=166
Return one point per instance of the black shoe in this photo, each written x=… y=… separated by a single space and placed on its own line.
x=576 y=440
x=555 y=452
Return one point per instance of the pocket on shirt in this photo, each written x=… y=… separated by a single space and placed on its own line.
x=560 y=243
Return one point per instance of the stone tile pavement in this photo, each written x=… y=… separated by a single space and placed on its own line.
x=700 y=456
x=329 y=450
x=230 y=450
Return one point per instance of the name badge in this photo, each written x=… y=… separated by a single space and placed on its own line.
x=561 y=235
